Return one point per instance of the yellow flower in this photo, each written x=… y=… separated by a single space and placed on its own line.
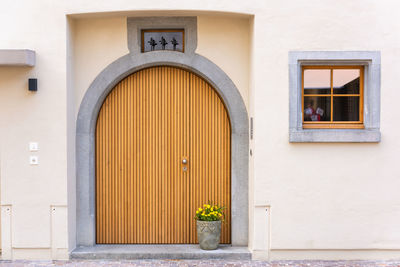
x=212 y=209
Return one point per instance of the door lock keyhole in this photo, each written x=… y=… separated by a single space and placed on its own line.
x=184 y=162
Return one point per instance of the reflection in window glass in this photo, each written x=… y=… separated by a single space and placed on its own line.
x=346 y=108
x=346 y=81
x=332 y=96
x=317 y=81
x=317 y=108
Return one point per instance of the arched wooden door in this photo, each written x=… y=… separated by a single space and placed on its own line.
x=149 y=123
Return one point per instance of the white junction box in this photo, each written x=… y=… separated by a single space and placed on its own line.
x=33 y=146
x=262 y=232
x=34 y=160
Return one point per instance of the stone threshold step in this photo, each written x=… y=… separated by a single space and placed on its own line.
x=135 y=252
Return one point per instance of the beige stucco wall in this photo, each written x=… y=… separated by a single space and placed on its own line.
x=97 y=43
x=226 y=45
x=225 y=41
x=323 y=200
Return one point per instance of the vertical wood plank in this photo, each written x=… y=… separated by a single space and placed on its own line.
x=148 y=124
x=210 y=144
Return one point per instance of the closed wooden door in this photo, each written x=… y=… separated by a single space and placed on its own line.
x=148 y=125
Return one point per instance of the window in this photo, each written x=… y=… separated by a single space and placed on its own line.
x=163 y=39
x=332 y=97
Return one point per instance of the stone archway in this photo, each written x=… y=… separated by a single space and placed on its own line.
x=86 y=125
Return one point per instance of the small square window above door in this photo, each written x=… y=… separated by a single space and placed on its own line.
x=169 y=34
x=163 y=39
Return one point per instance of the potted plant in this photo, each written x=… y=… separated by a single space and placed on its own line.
x=208 y=224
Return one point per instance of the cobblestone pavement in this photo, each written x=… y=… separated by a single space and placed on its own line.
x=198 y=263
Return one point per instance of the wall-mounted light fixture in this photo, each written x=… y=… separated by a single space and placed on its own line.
x=32 y=84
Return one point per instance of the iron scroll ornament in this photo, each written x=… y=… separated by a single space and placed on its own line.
x=155 y=40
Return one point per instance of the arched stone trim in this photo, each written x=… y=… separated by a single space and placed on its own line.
x=86 y=127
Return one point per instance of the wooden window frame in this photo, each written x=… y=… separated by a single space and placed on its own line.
x=331 y=124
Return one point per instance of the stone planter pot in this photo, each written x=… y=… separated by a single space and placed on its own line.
x=208 y=233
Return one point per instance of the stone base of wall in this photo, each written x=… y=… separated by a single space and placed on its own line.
x=328 y=254
x=36 y=254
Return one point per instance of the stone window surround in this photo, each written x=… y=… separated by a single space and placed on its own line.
x=371 y=60
x=137 y=24
x=135 y=61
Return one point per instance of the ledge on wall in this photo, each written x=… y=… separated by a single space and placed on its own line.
x=17 y=57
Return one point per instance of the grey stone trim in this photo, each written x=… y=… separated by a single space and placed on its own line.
x=17 y=57
x=135 y=252
x=372 y=82
x=86 y=125
x=335 y=135
x=136 y=24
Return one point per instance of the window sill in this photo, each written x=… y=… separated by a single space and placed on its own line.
x=333 y=125
x=335 y=136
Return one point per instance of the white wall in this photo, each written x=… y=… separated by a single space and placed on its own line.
x=31 y=192
x=325 y=196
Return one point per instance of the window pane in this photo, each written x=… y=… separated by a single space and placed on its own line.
x=346 y=81
x=346 y=108
x=317 y=81
x=317 y=108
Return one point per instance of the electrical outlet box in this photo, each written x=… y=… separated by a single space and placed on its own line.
x=33 y=146
x=34 y=160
